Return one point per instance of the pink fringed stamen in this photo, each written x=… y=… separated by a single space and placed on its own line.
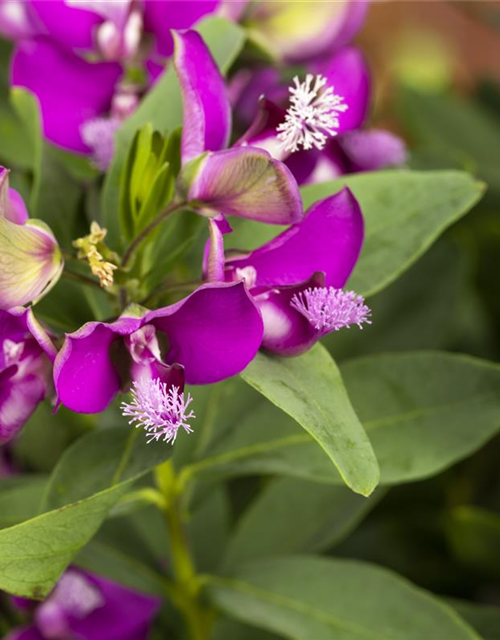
x=161 y=411
x=329 y=309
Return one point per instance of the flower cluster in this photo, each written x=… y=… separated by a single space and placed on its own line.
x=281 y=297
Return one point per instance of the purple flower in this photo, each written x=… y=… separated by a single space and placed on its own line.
x=208 y=336
x=296 y=279
x=26 y=356
x=74 y=55
x=298 y=30
x=242 y=181
x=30 y=258
x=86 y=606
x=318 y=137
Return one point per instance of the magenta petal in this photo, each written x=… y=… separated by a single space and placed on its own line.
x=17 y=211
x=215 y=332
x=67 y=25
x=125 y=615
x=248 y=183
x=347 y=72
x=161 y=17
x=85 y=377
x=373 y=149
x=353 y=19
x=71 y=91
x=17 y=20
x=207 y=113
x=328 y=240
x=287 y=332
x=213 y=258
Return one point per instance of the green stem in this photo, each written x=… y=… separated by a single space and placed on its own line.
x=134 y=245
x=197 y=616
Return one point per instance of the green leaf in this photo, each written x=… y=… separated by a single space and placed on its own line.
x=310 y=389
x=326 y=514
x=422 y=411
x=26 y=106
x=305 y=598
x=21 y=501
x=89 y=480
x=404 y=213
x=162 y=107
x=484 y=619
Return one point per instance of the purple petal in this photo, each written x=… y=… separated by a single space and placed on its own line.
x=207 y=114
x=248 y=183
x=248 y=86
x=16 y=211
x=161 y=17
x=67 y=25
x=328 y=240
x=25 y=372
x=313 y=166
x=17 y=20
x=213 y=259
x=286 y=332
x=71 y=91
x=85 y=377
x=19 y=397
x=233 y=9
x=373 y=149
x=214 y=333
x=126 y=613
x=347 y=72
x=262 y=133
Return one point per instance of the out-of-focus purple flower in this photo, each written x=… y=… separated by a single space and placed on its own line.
x=296 y=279
x=298 y=30
x=74 y=56
x=318 y=144
x=30 y=258
x=88 y=607
x=243 y=181
x=70 y=90
x=17 y=20
x=160 y=18
x=208 y=336
x=26 y=356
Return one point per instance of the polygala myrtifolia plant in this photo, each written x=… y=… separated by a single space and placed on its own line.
x=121 y=286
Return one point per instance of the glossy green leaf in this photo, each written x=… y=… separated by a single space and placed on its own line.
x=26 y=106
x=404 y=213
x=310 y=389
x=162 y=107
x=296 y=516
x=485 y=619
x=21 y=500
x=89 y=480
x=422 y=411
x=306 y=598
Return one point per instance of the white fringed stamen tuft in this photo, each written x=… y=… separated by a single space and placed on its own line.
x=329 y=309
x=160 y=410
x=312 y=117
